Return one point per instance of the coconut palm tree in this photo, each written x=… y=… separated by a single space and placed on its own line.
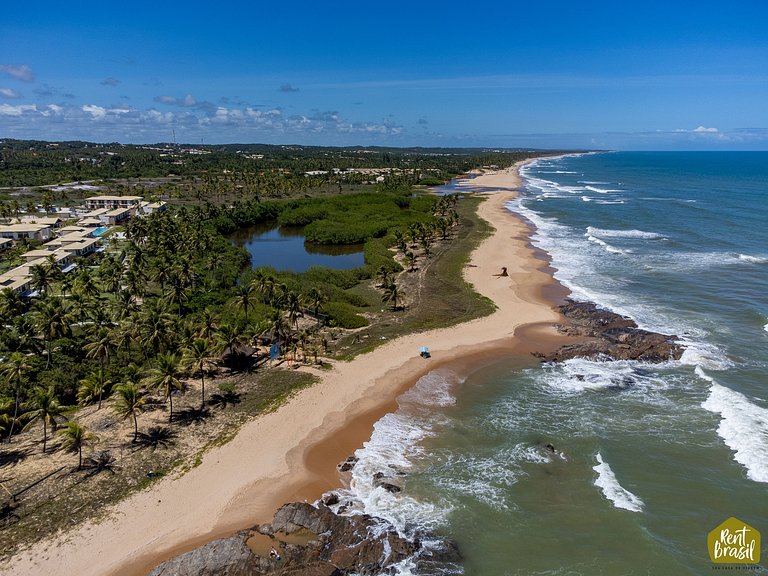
x=11 y=304
x=53 y=321
x=166 y=377
x=74 y=437
x=208 y=325
x=391 y=294
x=199 y=355
x=100 y=347
x=45 y=406
x=42 y=279
x=410 y=261
x=244 y=298
x=315 y=300
x=129 y=402
x=229 y=337
x=293 y=307
x=92 y=388
x=13 y=370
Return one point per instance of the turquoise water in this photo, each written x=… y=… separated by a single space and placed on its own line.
x=648 y=458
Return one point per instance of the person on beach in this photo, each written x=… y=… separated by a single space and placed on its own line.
x=502 y=273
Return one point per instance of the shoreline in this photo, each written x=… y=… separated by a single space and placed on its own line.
x=234 y=487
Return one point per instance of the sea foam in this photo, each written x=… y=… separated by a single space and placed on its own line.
x=612 y=490
x=743 y=426
x=592 y=231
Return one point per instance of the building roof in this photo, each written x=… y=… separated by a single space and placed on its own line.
x=90 y=222
x=23 y=227
x=118 y=212
x=115 y=198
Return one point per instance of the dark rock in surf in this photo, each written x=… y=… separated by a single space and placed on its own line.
x=610 y=336
x=335 y=546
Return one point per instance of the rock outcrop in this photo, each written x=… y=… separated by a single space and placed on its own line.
x=611 y=336
x=331 y=545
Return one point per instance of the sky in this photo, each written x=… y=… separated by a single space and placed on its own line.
x=650 y=75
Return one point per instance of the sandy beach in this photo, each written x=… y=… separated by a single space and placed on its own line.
x=291 y=454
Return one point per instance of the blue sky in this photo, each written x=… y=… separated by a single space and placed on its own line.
x=623 y=75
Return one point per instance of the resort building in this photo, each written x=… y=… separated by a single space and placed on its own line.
x=5 y=243
x=52 y=221
x=112 y=202
x=115 y=216
x=147 y=208
x=25 y=231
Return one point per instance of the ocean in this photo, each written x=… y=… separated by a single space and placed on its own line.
x=648 y=458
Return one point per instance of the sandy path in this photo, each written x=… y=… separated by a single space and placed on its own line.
x=289 y=454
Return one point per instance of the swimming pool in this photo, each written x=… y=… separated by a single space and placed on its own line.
x=99 y=231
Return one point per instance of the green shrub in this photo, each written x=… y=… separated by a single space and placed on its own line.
x=344 y=315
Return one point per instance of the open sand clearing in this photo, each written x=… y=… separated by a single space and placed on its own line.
x=291 y=454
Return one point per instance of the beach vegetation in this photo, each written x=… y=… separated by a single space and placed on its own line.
x=175 y=305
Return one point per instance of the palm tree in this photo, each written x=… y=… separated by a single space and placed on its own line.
x=13 y=370
x=86 y=286
x=155 y=327
x=410 y=260
x=229 y=337
x=264 y=284
x=199 y=356
x=74 y=437
x=208 y=325
x=11 y=304
x=129 y=401
x=41 y=277
x=315 y=299
x=293 y=306
x=244 y=298
x=92 y=387
x=53 y=321
x=100 y=348
x=391 y=294
x=45 y=407
x=165 y=377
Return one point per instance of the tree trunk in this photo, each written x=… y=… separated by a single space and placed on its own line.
x=135 y=428
x=15 y=409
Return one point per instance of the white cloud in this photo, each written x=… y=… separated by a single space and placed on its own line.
x=701 y=129
x=8 y=110
x=9 y=93
x=23 y=72
x=96 y=112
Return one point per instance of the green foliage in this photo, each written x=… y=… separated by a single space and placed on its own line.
x=378 y=255
x=344 y=315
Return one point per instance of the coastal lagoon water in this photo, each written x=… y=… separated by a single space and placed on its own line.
x=648 y=458
x=284 y=248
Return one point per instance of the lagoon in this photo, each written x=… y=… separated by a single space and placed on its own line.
x=284 y=248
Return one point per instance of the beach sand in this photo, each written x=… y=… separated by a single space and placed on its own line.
x=291 y=454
